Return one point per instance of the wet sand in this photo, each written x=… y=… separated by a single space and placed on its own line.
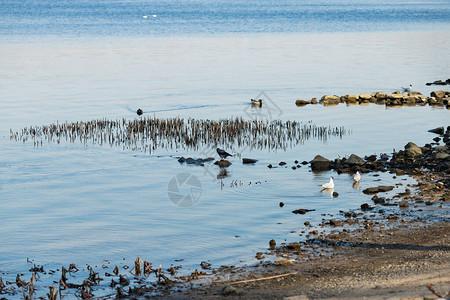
x=401 y=263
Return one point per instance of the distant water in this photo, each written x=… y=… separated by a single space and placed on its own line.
x=82 y=60
x=124 y=18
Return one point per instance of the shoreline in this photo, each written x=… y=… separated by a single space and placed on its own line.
x=370 y=254
x=400 y=265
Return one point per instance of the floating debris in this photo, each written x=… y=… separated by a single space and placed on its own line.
x=150 y=133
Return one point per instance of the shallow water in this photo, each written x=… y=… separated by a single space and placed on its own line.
x=74 y=203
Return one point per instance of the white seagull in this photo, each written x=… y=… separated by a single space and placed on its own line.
x=357 y=176
x=328 y=185
x=407 y=89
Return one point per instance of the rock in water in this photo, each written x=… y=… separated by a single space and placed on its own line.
x=272 y=244
x=412 y=150
x=438 y=130
x=438 y=94
x=302 y=211
x=404 y=204
x=301 y=102
x=249 y=161
x=355 y=160
x=223 y=163
x=320 y=163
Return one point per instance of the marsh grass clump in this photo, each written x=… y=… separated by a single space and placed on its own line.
x=150 y=133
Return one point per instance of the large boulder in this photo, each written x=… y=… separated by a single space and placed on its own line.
x=412 y=150
x=355 y=160
x=320 y=163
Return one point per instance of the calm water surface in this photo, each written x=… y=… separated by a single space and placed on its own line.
x=82 y=60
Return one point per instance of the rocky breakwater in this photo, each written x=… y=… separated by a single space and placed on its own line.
x=436 y=98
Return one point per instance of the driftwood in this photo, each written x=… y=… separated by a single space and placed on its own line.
x=263 y=278
x=431 y=288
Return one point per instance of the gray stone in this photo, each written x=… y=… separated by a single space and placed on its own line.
x=442 y=155
x=355 y=160
x=412 y=150
x=320 y=163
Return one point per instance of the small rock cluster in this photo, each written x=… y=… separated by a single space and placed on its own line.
x=439 y=82
x=412 y=158
x=437 y=98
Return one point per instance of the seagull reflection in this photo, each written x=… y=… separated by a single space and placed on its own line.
x=356 y=185
x=328 y=191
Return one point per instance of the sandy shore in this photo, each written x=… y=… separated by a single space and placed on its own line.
x=398 y=264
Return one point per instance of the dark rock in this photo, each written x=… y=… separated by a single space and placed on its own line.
x=320 y=163
x=334 y=223
x=272 y=244
x=305 y=162
x=294 y=168
x=195 y=161
x=371 y=158
x=302 y=211
x=378 y=200
x=301 y=102
x=281 y=204
x=371 y=190
x=139 y=112
x=385 y=188
x=249 y=161
x=438 y=130
x=412 y=150
x=307 y=223
x=270 y=166
x=404 y=203
x=223 y=163
x=355 y=160
x=282 y=163
x=366 y=207
x=335 y=194
x=296 y=162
